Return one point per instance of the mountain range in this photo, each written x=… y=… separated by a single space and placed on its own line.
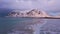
x=30 y=13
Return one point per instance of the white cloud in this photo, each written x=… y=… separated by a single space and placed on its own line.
x=27 y=4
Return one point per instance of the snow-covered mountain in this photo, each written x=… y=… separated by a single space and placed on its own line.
x=28 y=13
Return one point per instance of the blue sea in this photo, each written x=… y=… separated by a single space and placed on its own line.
x=9 y=25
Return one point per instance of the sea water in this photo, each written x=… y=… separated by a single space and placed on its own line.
x=29 y=26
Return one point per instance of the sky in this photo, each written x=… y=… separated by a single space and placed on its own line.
x=47 y=5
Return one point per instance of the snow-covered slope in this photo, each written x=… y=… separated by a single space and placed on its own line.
x=28 y=13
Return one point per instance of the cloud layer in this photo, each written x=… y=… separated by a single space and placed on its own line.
x=52 y=5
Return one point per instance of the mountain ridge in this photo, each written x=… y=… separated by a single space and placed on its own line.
x=29 y=13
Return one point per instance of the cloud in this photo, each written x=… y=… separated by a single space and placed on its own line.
x=48 y=5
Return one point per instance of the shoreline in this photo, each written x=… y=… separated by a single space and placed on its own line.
x=35 y=17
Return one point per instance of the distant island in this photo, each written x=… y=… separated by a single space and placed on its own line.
x=30 y=13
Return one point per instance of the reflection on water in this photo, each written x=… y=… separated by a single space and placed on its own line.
x=29 y=26
x=51 y=27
